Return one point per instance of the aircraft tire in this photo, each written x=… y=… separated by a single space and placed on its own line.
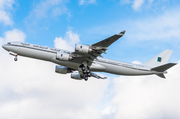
x=15 y=59
x=87 y=71
x=86 y=78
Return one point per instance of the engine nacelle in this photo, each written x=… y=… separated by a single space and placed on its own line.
x=82 y=48
x=76 y=75
x=62 y=69
x=63 y=56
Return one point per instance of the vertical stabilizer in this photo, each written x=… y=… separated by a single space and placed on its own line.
x=160 y=59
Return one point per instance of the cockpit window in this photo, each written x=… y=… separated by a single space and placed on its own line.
x=8 y=43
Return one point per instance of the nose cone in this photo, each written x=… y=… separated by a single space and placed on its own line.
x=4 y=46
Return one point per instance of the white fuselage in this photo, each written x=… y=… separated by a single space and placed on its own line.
x=98 y=65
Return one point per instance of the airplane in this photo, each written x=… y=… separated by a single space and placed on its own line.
x=87 y=59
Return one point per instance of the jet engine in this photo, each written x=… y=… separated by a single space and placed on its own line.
x=83 y=48
x=76 y=75
x=62 y=69
x=63 y=56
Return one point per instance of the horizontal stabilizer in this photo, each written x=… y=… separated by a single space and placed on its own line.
x=161 y=75
x=164 y=67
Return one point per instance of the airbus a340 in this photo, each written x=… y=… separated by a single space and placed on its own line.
x=87 y=59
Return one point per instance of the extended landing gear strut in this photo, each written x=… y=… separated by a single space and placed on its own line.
x=13 y=54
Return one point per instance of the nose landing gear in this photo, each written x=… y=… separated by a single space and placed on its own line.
x=13 y=54
x=15 y=59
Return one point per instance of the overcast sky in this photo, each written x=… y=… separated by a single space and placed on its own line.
x=30 y=88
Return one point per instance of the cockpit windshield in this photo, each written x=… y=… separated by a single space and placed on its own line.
x=8 y=43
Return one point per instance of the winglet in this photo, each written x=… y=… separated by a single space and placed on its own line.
x=122 y=33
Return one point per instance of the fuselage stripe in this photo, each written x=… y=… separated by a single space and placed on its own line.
x=33 y=48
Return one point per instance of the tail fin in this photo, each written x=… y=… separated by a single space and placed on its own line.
x=160 y=59
x=163 y=68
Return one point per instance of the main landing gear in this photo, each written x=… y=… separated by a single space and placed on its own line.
x=85 y=72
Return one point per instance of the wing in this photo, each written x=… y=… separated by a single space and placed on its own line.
x=107 y=42
x=97 y=49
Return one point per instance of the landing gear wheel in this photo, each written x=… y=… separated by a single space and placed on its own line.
x=83 y=68
x=87 y=71
x=15 y=59
x=84 y=72
x=86 y=78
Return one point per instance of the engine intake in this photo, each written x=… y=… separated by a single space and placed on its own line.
x=83 y=48
x=62 y=69
x=63 y=56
